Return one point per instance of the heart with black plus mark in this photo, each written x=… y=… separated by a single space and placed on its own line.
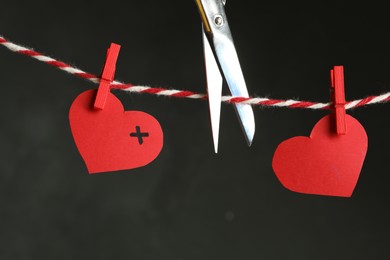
x=112 y=139
x=324 y=163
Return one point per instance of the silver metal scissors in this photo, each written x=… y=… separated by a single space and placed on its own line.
x=220 y=55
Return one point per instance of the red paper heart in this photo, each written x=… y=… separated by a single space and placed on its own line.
x=324 y=163
x=113 y=139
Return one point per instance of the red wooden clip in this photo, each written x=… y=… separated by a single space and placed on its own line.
x=107 y=76
x=338 y=98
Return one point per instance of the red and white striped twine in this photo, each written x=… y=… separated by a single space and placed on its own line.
x=257 y=101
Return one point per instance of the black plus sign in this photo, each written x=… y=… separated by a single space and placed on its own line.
x=139 y=134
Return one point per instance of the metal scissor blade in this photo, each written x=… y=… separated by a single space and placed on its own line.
x=228 y=61
x=214 y=89
x=230 y=65
x=218 y=33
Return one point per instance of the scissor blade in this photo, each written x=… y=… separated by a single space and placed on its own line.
x=217 y=28
x=230 y=65
x=214 y=89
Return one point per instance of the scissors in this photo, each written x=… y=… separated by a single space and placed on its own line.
x=220 y=55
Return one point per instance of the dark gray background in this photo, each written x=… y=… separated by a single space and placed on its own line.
x=189 y=203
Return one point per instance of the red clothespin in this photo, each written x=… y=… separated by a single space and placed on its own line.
x=107 y=76
x=338 y=98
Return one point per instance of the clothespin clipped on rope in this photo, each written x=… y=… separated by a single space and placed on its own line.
x=107 y=76
x=338 y=98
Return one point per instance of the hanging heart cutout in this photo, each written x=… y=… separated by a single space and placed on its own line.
x=112 y=139
x=324 y=163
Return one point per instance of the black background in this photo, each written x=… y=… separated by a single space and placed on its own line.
x=189 y=203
